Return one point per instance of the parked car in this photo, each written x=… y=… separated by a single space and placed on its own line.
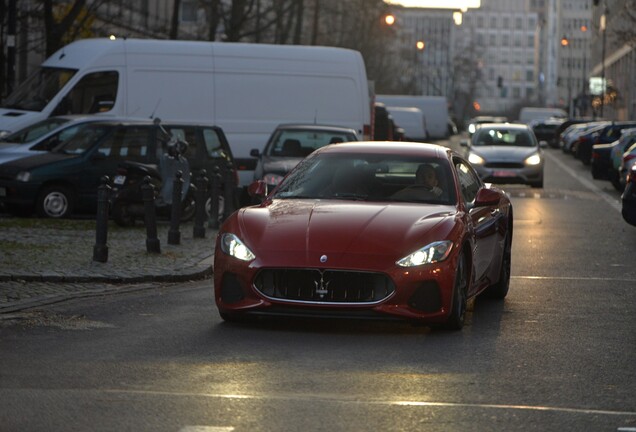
x=607 y=134
x=546 y=130
x=290 y=143
x=570 y=137
x=474 y=123
x=64 y=181
x=627 y=162
x=628 y=198
x=606 y=158
x=335 y=239
x=506 y=153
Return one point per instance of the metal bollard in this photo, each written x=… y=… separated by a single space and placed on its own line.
x=100 y=250
x=228 y=191
x=201 y=196
x=213 y=217
x=150 y=216
x=174 y=235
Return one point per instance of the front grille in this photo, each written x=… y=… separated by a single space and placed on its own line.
x=508 y=165
x=324 y=286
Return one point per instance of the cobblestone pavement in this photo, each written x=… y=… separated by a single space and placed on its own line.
x=44 y=261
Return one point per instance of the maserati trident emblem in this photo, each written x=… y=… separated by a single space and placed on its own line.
x=321 y=286
x=323 y=259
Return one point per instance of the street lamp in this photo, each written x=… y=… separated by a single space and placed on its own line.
x=583 y=99
x=419 y=45
x=565 y=43
x=602 y=27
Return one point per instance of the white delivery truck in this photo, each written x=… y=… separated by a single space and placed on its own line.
x=411 y=120
x=247 y=89
x=434 y=108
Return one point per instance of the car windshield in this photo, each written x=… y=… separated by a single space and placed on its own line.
x=503 y=137
x=34 y=131
x=370 y=177
x=300 y=143
x=38 y=89
x=78 y=139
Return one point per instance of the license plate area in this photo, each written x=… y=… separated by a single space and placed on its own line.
x=119 y=179
x=503 y=173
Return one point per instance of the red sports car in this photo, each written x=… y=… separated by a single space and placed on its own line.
x=368 y=230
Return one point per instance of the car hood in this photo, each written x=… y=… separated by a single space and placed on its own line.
x=504 y=153
x=278 y=164
x=301 y=231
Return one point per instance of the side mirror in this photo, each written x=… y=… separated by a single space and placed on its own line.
x=464 y=143
x=255 y=153
x=486 y=197
x=257 y=189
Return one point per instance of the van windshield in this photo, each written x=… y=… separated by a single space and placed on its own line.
x=38 y=89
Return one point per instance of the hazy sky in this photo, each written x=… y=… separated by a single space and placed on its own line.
x=445 y=4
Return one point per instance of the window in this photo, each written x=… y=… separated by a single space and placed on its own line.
x=189 y=11
x=469 y=182
x=94 y=93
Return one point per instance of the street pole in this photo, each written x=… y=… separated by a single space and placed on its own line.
x=603 y=26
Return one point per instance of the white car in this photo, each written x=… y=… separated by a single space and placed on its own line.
x=506 y=153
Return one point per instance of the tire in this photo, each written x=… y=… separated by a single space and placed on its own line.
x=55 y=202
x=499 y=290
x=121 y=215
x=457 y=316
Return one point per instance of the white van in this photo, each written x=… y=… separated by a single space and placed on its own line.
x=434 y=108
x=411 y=120
x=247 y=89
x=528 y=114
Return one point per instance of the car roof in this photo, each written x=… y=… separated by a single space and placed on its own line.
x=311 y=126
x=389 y=148
x=519 y=126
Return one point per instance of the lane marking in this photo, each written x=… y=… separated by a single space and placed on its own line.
x=206 y=429
x=575 y=278
x=616 y=204
x=356 y=400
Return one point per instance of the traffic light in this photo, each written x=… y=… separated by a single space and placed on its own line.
x=500 y=81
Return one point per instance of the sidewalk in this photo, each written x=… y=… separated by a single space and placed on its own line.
x=41 y=258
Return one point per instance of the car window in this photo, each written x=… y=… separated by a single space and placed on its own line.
x=369 y=178
x=35 y=131
x=503 y=137
x=299 y=143
x=469 y=182
x=75 y=139
x=126 y=143
x=214 y=146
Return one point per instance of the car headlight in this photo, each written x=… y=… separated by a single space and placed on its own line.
x=272 y=179
x=471 y=128
x=233 y=246
x=475 y=159
x=434 y=252
x=535 y=159
x=23 y=176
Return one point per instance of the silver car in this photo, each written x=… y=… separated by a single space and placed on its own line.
x=506 y=153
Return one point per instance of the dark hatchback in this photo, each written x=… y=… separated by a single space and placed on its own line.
x=290 y=143
x=65 y=180
x=629 y=198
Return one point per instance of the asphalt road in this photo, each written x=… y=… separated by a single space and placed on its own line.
x=557 y=355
